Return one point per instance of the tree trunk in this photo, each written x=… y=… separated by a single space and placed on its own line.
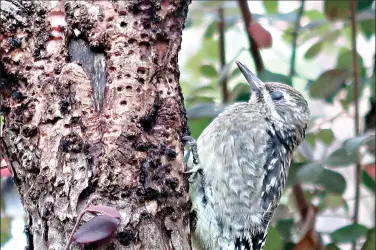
x=94 y=113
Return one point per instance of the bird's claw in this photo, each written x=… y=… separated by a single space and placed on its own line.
x=194 y=172
x=188 y=140
x=191 y=145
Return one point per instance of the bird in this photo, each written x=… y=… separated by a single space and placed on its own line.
x=239 y=165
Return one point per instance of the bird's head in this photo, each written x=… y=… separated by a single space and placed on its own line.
x=283 y=105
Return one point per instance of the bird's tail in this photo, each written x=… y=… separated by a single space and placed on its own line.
x=243 y=244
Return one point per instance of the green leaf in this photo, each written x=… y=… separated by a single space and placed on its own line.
x=347 y=154
x=332 y=246
x=311 y=139
x=319 y=30
x=334 y=201
x=349 y=233
x=340 y=158
x=350 y=90
x=289 y=246
x=210 y=49
x=332 y=181
x=368 y=181
x=284 y=227
x=326 y=136
x=332 y=35
x=328 y=83
x=210 y=30
x=328 y=37
x=292 y=178
x=273 y=240
x=309 y=195
x=344 y=61
x=314 y=15
x=5 y=230
x=367 y=27
x=314 y=50
x=310 y=172
x=267 y=76
x=335 y=9
x=370 y=241
x=287 y=34
x=363 y=4
x=271 y=7
x=352 y=145
x=347 y=32
x=208 y=71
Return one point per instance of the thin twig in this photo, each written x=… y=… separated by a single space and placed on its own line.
x=295 y=38
x=70 y=239
x=356 y=102
x=247 y=19
x=304 y=208
x=309 y=221
x=301 y=202
x=222 y=53
x=358 y=168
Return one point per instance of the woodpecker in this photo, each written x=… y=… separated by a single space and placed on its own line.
x=239 y=166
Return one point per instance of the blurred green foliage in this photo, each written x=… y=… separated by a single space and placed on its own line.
x=5 y=230
x=325 y=32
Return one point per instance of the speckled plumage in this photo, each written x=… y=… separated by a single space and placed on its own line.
x=244 y=157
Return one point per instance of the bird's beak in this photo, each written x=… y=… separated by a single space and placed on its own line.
x=254 y=81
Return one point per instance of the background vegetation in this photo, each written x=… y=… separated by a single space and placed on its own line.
x=309 y=45
x=329 y=203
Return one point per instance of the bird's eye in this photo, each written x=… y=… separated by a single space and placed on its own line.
x=276 y=95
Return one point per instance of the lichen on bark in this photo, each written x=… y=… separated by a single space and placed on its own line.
x=123 y=147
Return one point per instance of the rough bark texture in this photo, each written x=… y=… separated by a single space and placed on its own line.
x=123 y=147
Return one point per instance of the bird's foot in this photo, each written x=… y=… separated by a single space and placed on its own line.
x=193 y=172
x=191 y=145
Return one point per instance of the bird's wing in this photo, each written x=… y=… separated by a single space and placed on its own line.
x=275 y=175
x=275 y=169
x=273 y=180
x=242 y=244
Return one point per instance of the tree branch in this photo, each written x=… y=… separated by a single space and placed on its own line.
x=358 y=167
x=222 y=53
x=295 y=38
x=308 y=218
x=247 y=19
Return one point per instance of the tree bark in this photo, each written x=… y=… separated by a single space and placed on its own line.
x=94 y=113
